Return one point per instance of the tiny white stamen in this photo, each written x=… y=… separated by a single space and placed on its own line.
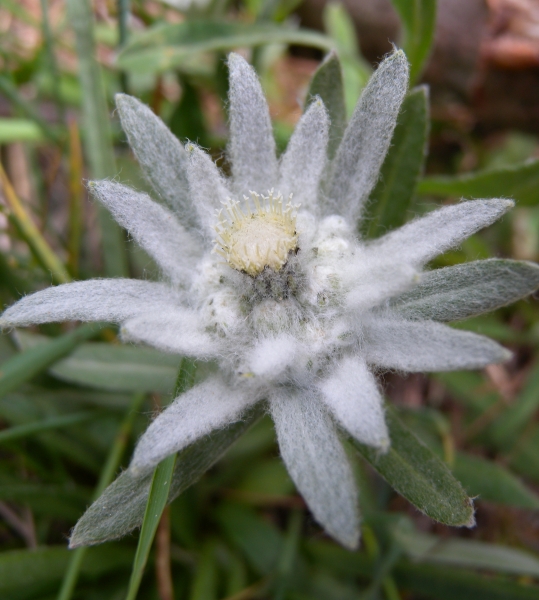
x=251 y=240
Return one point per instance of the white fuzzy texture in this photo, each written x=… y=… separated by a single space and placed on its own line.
x=160 y=154
x=298 y=331
x=364 y=272
x=356 y=166
x=153 y=227
x=353 y=398
x=423 y=239
x=175 y=331
x=110 y=300
x=207 y=186
x=208 y=406
x=252 y=147
x=272 y=356
x=317 y=462
x=305 y=157
x=394 y=343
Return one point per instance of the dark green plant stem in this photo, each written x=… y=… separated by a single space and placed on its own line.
x=107 y=475
x=98 y=138
x=51 y=58
x=123 y=34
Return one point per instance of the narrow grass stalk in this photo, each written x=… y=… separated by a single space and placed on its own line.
x=51 y=57
x=76 y=195
x=20 y=431
x=123 y=34
x=43 y=253
x=98 y=138
x=157 y=501
x=106 y=477
x=158 y=496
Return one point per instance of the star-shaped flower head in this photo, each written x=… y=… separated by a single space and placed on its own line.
x=264 y=273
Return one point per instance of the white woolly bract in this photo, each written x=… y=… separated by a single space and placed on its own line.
x=298 y=330
x=208 y=406
x=352 y=396
x=317 y=462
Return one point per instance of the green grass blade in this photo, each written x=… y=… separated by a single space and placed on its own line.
x=25 y=365
x=107 y=474
x=419 y=21
x=157 y=501
x=98 y=138
x=20 y=431
x=159 y=490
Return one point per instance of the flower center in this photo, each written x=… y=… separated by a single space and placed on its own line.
x=250 y=240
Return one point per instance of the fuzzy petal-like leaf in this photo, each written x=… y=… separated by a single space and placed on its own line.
x=421 y=240
x=207 y=186
x=206 y=407
x=120 y=509
x=353 y=398
x=468 y=289
x=317 y=463
x=366 y=140
x=153 y=227
x=402 y=166
x=175 y=331
x=305 y=157
x=394 y=343
x=160 y=154
x=251 y=147
x=109 y=300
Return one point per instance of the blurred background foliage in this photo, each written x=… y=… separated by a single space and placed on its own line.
x=73 y=401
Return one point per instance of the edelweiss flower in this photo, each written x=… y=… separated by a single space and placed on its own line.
x=264 y=274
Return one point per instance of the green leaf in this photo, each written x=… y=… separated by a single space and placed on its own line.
x=32 y=573
x=465 y=553
x=120 y=509
x=116 y=368
x=493 y=482
x=19 y=130
x=25 y=365
x=402 y=166
x=157 y=500
x=327 y=82
x=167 y=47
x=419 y=21
x=419 y=475
x=468 y=289
x=519 y=182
